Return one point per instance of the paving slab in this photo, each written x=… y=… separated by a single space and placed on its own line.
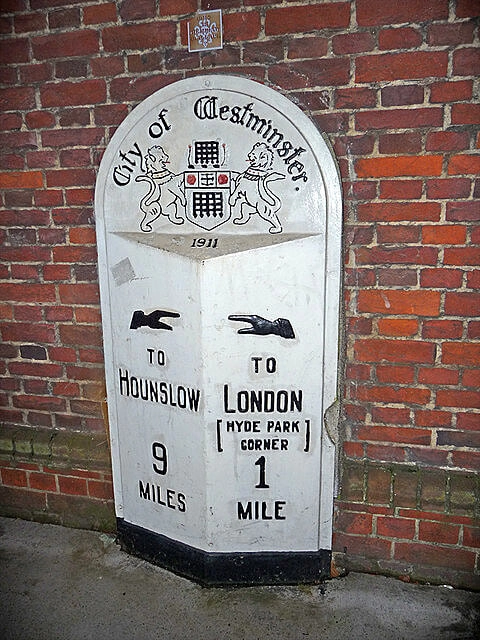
x=67 y=584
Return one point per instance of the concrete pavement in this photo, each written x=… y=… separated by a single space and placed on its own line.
x=65 y=584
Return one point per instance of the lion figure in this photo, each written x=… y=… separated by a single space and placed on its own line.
x=252 y=194
x=165 y=190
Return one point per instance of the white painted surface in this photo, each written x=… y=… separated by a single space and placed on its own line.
x=169 y=241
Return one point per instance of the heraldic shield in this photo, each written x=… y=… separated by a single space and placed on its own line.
x=207 y=194
x=207 y=188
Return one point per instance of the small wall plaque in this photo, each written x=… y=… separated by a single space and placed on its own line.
x=205 y=31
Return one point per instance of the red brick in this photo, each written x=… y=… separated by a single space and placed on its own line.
x=359 y=277
x=471 y=378
x=21 y=180
x=463 y=211
x=409 y=142
x=355 y=412
x=353 y=43
x=473 y=329
x=444 y=234
x=30 y=22
x=450 y=34
x=465 y=114
x=14 y=51
x=398 y=374
x=61 y=138
x=471 y=537
x=241 y=26
x=358 y=372
x=402 y=95
x=401 y=189
x=400 y=435
x=82 y=235
x=44 y=370
x=107 y=66
x=42 y=482
x=375 y=350
x=446 y=188
x=398 y=118
x=400 y=38
x=28 y=292
x=360 y=326
x=129 y=89
x=432 y=418
x=397 y=327
x=466 y=354
x=83 y=42
x=457 y=439
x=81 y=335
x=41 y=403
x=61 y=94
x=72 y=486
x=78 y=293
x=13 y=98
x=462 y=256
x=385 y=453
x=354 y=98
x=13 y=477
x=100 y=13
x=310 y=73
x=85 y=373
x=468 y=421
x=378 y=12
x=442 y=328
x=130 y=10
x=24 y=272
x=462 y=304
x=353 y=449
x=178 y=7
x=434 y=555
x=466 y=460
x=438 y=376
x=466 y=61
x=398 y=234
x=451 y=92
x=464 y=164
x=424 y=165
x=390 y=415
x=394 y=255
x=458 y=398
x=100 y=490
x=312 y=47
x=399 y=302
x=438 y=532
x=467 y=8
x=400 y=528
x=152 y=35
x=351 y=522
x=401 y=66
x=72 y=254
x=62 y=354
x=302 y=19
x=396 y=277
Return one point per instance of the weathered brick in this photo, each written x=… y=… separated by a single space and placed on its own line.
x=401 y=166
x=378 y=12
x=423 y=303
x=83 y=42
x=151 y=35
x=307 y=18
x=401 y=66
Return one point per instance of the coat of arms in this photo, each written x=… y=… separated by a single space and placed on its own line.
x=206 y=194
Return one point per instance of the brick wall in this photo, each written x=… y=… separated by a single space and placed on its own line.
x=393 y=84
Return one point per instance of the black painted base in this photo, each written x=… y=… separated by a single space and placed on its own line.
x=225 y=569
